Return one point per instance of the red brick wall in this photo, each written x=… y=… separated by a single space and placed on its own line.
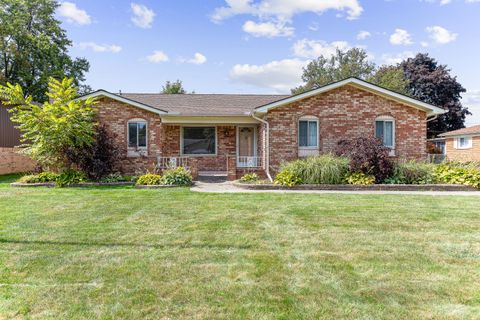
x=115 y=115
x=345 y=112
x=163 y=140
x=472 y=154
x=11 y=161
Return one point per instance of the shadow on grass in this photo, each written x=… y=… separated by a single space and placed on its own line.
x=9 y=178
x=123 y=244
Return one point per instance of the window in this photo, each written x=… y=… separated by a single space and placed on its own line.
x=137 y=134
x=308 y=133
x=385 y=131
x=199 y=141
x=463 y=142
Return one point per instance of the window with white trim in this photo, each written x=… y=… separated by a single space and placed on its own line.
x=463 y=142
x=137 y=134
x=385 y=131
x=199 y=141
x=308 y=133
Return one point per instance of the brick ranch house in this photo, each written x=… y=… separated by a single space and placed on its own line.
x=234 y=134
x=462 y=144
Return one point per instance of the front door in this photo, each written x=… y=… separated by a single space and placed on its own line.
x=247 y=147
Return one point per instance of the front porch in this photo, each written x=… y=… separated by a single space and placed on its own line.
x=215 y=150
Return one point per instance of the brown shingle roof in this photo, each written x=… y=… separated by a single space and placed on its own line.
x=204 y=104
x=464 y=131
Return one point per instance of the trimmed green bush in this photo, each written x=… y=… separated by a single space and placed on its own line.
x=288 y=178
x=150 y=179
x=250 y=178
x=456 y=173
x=412 y=172
x=71 y=176
x=325 y=169
x=177 y=177
x=43 y=177
x=360 y=178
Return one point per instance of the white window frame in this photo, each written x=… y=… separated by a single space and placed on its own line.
x=199 y=155
x=386 y=119
x=137 y=151
x=468 y=139
x=309 y=119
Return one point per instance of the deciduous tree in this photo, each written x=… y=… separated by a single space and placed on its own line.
x=34 y=47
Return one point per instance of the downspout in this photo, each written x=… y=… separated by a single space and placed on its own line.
x=267 y=143
x=431 y=119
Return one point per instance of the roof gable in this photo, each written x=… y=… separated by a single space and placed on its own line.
x=473 y=130
x=360 y=84
x=103 y=93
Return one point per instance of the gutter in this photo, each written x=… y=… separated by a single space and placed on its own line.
x=267 y=142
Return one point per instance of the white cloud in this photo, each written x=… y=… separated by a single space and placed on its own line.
x=280 y=76
x=157 y=57
x=198 y=58
x=73 y=14
x=285 y=9
x=362 y=35
x=268 y=29
x=397 y=58
x=142 y=16
x=311 y=49
x=471 y=100
x=441 y=35
x=401 y=37
x=99 y=47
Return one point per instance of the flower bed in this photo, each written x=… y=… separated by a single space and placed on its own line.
x=73 y=185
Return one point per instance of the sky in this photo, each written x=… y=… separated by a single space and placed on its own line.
x=260 y=46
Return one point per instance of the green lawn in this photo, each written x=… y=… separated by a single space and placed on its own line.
x=106 y=253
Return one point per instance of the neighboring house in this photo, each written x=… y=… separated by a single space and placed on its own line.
x=232 y=134
x=463 y=144
x=10 y=160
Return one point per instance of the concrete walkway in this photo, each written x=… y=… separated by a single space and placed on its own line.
x=228 y=187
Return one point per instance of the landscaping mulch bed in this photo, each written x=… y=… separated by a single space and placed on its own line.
x=74 y=185
x=349 y=187
x=157 y=186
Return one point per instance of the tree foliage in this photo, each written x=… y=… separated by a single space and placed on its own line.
x=392 y=78
x=57 y=125
x=342 y=65
x=175 y=87
x=100 y=158
x=33 y=47
x=368 y=156
x=432 y=83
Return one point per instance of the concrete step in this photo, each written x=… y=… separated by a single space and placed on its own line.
x=212 y=176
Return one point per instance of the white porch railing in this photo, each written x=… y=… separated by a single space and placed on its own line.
x=172 y=162
x=249 y=162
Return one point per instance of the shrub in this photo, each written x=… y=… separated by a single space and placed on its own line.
x=70 y=176
x=99 y=159
x=467 y=174
x=115 y=177
x=249 y=178
x=39 y=178
x=177 y=177
x=61 y=123
x=150 y=179
x=413 y=172
x=287 y=178
x=359 y=178
x=367 y=155
x=325 y=169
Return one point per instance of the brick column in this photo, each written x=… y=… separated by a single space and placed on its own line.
x=231 y=168
x=193 y=163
